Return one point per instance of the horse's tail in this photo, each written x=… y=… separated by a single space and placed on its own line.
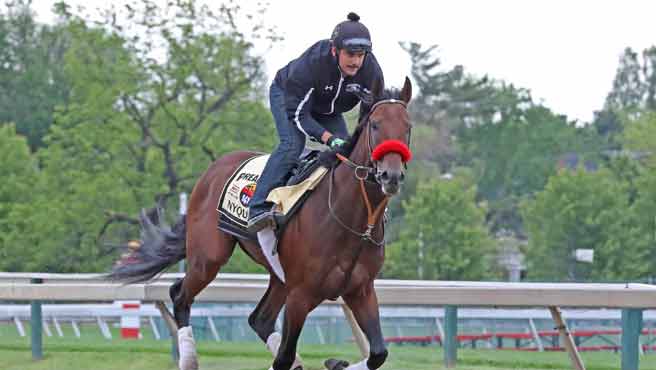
x=159 y=248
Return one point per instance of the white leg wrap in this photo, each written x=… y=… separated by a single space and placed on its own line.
x=362 y=365
x=273 y=344
x=187 y=349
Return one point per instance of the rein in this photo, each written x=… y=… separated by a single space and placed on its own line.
x=362 y=174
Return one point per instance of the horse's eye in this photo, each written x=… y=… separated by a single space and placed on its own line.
x=374 y=125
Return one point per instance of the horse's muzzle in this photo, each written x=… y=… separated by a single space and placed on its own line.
x=390 y=180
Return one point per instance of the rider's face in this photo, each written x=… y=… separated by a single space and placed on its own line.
x=349 y=62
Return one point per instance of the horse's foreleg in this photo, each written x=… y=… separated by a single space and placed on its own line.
x=297 y=307
x=365 y=309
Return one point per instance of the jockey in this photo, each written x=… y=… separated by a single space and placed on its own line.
x=308 y=97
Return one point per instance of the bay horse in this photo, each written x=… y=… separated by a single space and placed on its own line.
x=333 y=247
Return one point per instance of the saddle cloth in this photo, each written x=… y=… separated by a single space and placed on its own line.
x=238 y=191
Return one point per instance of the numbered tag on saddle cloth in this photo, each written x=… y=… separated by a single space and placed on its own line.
x=238 y=190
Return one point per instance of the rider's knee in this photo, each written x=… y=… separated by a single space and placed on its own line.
x=377 y=359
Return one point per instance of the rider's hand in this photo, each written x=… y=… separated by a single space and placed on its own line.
x=336 y=142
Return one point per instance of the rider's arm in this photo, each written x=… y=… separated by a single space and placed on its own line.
x=299 y=93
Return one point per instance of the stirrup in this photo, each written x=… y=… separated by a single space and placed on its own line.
x=263 y=220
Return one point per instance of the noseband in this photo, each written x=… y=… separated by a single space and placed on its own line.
x=364 y=173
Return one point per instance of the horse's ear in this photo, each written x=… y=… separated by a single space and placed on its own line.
x=377 y=88
x=406 y=92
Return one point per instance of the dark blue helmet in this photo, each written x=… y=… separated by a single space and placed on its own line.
x=351 y=35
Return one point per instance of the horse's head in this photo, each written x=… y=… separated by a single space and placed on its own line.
x=388 y=135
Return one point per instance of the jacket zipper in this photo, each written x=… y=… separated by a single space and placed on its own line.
x=339 y=88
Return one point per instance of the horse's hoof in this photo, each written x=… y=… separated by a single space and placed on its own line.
x=334 y=364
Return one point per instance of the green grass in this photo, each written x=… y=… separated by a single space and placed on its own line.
x=92 y=351
x=96 y=353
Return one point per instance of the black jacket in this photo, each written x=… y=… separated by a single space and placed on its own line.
x=314 y=86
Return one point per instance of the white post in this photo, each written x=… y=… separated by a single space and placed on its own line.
x=322 y=340
x=440 y=329
x=57 y=326
x=46 y=328
x=19 y=326
x=536 y=335
x=76 y=329
x=215 y=333
x=153 y=325
x=104 y=329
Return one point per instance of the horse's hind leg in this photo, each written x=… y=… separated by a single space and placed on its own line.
x=206 y=253
x=263 y=319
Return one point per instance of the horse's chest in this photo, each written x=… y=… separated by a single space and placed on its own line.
x=346 y=277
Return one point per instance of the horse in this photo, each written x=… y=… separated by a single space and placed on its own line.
x=333 y=247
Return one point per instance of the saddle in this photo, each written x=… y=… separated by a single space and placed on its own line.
x=238 y=191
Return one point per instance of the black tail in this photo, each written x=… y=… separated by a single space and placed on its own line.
x=160 y=247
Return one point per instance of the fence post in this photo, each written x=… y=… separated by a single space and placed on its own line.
x=631 y=327
x=450 y=342
x=36 y=324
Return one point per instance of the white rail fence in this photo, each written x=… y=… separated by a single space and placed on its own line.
x=631 y=298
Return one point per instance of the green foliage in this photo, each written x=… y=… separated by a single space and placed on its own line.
x=582 y=210
x=640 y=138
x=127 y=107
x=634 y=86
x=514 y=157
x=642 y=229
x=451 y=101
x=511 y=144
x=16 y=190
x=137 y=129
x=443 y=235
x=31 y=76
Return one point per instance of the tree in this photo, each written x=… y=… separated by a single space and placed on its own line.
x=634 y=86
x=513 y=158
x=31 y=76
x=443 y=235
x=452 y=101
x=139 y=128
x=641 y=232
x=640 y=138
x=581 y=210
x=16 y=189
x=608 y=124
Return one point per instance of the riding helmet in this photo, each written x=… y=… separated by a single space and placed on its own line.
x=351 y=35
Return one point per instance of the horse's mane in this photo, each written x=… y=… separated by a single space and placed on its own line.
x=328 y=158
x=391 y=93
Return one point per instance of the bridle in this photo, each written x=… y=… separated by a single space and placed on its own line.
x=364 y=173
